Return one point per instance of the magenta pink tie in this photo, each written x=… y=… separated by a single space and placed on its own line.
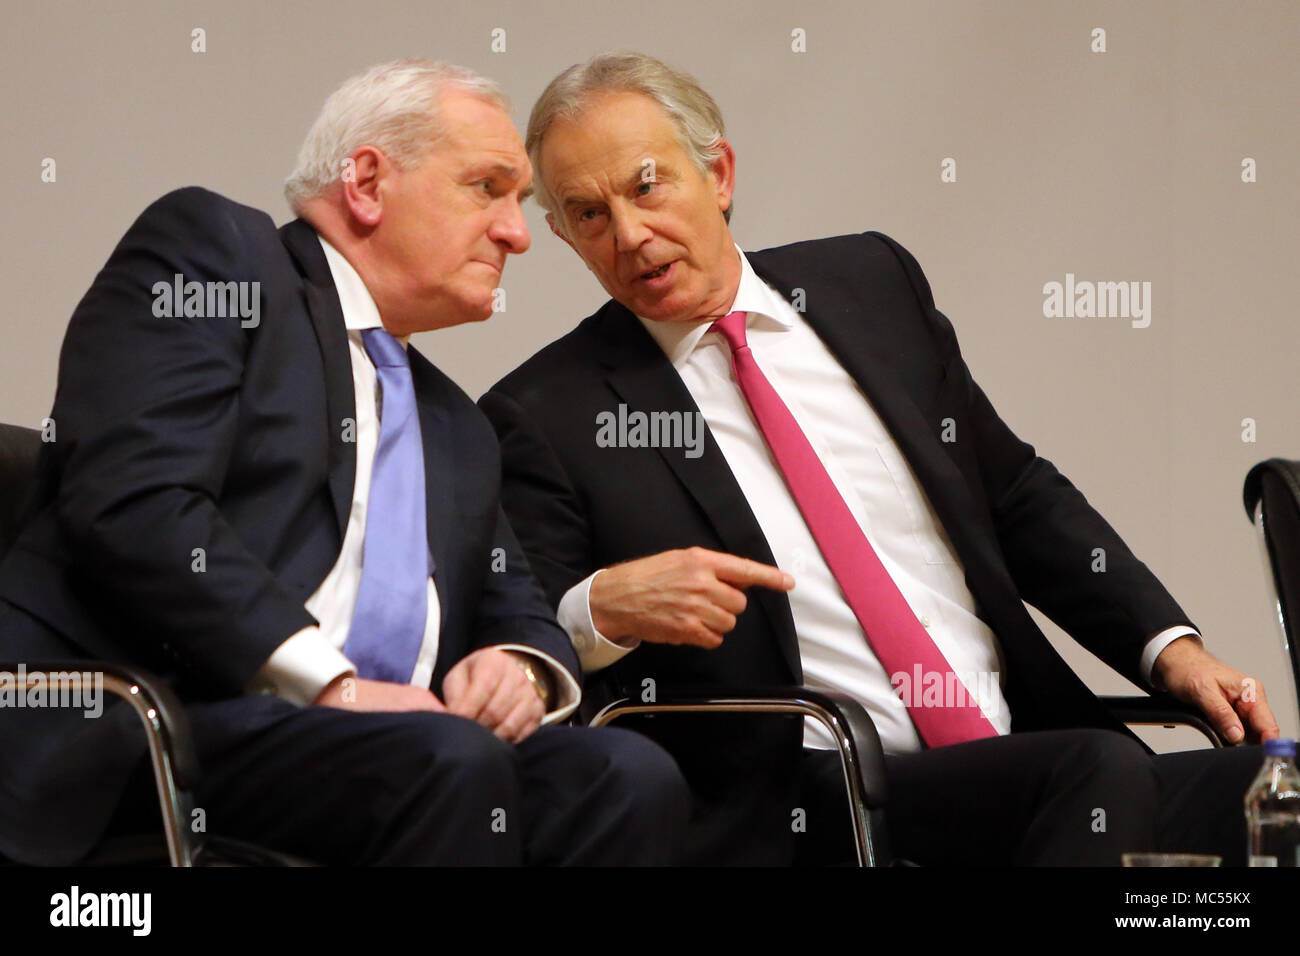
x=896 y=636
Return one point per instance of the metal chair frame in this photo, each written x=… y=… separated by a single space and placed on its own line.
x=861 y=756
x=1253 y=493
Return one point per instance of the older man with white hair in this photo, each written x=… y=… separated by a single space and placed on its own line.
x=293 y=516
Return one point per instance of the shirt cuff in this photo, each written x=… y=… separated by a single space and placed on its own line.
x=567 y=692
x=300 y=668
x=595 y=651
x=1158 y=644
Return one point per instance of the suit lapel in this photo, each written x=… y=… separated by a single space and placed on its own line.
x=331 y=335
x=642 y=376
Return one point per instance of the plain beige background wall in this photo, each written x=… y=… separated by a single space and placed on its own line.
x=1117 y=166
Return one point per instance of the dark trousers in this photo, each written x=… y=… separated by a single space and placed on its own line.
x=1048 y=798
x=335 y=786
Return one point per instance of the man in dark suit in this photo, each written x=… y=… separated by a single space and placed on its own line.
x=848 y=445
x=257 y=490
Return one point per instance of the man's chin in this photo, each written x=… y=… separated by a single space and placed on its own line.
x=662 y=310
x=460 y=313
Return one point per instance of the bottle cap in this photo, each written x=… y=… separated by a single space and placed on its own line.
x=1282 y=747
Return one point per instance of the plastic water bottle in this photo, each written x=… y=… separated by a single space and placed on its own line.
x=1273 y=808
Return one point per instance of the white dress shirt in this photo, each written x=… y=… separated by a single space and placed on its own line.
x=301 y=667
x=880 y=490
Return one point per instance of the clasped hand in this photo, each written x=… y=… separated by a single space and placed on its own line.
x=488 y=687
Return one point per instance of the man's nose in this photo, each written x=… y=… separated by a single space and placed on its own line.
x=630 y=229
x=511 y=228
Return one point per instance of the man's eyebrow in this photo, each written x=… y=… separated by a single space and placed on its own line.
x=627 y=184
x=504 y=170
x=499 y=170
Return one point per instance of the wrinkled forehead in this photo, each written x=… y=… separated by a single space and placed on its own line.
x=471 y=123
x=613 y=139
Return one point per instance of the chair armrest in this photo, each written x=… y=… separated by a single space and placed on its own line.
x=167 y=730
x=861 y=754
x=1161 y=709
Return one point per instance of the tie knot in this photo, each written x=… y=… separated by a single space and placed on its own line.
x=385 y=351
x=732 y=328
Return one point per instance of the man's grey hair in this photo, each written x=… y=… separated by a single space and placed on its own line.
x=692 y=110
x=392 y=106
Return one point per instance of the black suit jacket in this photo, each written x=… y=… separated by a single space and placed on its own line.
x=175 y=434
x=1020 y=528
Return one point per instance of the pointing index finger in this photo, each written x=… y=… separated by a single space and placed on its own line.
x=744 y=573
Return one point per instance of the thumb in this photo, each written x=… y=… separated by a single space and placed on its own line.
x=453 y=685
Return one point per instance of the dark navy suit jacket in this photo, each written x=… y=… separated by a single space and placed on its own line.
x=178 y=434
x=1023 y=532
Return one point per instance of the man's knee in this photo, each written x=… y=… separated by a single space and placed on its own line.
x=1109 y=763
x=1106 y=748
x=1098 y=799
x=456 y=752
x=636 y=774
x=648 y=770
x=417 y=763
x=454 y=793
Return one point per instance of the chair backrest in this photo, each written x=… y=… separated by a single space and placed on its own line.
x=19 y=449
x=1272 y=499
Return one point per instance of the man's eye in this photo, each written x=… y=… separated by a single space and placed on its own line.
x=587 y=215
x=644 y=188
x=487 y=185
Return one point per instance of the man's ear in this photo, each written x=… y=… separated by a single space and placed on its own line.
x=550 y=221
x=723 y=170
x=364 y=174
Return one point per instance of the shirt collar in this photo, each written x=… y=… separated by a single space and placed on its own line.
x=766 y=307
x=359 y=309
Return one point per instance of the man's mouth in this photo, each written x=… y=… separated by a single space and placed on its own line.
x=656 y=273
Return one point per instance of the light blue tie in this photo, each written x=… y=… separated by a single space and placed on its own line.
x=392 y=603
